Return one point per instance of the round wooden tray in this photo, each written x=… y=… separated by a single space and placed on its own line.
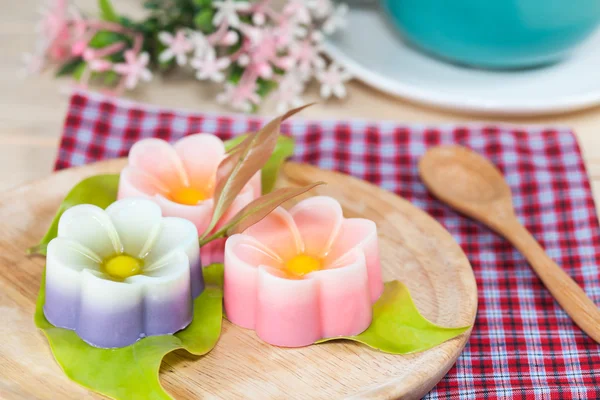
x=414 y=249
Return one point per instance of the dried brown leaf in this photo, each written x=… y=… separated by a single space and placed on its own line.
x=261 y=207
x=242 y=162
x=258 y=209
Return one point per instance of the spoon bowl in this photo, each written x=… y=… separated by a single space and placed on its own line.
x=465 y=180
x=474 y=186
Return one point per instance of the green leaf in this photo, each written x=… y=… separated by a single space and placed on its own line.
x=107 y=11
x=127 y=22
x=150 y=5
x=214 y=275
x=203 y=3
x=203 y=20
x=265 y=87
x=99 y=190
x=104 y=38
x=284 y=149
x=398 y=327
x=131 y=373
x=69 y=67
x=235 y=74
x=109 y=78
x=78 y=71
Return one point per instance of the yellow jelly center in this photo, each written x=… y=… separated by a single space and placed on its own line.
x=188 y=196
x=123 y=266
x=303 y=264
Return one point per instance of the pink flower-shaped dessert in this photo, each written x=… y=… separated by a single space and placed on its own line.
x=302 y=275
x=181 y=178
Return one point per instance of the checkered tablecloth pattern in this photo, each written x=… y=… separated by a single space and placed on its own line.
x=523 y=345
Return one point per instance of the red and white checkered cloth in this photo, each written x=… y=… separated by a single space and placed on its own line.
x=523 y=345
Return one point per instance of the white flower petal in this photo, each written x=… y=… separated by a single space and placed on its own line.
x=91 y=227
x=234 y=20
x=201 y=154
x=181 y=59
x=223 y=63
x=166 y=55
x=131 y=82
x=171 y=265
x=218 y=18
x=339 y=90
x=138 y=223
x=143 y=59
x=175 y=234
x=201 y=75
x=217 y=77
x=146 y=75
x=165 y=37
x=170 y=281
x=72 y=254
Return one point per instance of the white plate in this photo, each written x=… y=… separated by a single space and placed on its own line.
x=374 y=53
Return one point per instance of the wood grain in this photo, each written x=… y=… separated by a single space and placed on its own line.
x=414 y=249
x=473 y=185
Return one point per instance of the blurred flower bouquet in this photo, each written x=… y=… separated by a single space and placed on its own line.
x=253 y=49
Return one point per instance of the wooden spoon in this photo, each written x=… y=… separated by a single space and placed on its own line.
x=474 y=186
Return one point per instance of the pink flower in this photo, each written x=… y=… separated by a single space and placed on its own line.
x=332 y=81
x=306 y=56
x=254 y=34
x=320 y=8
x=80 y=34
x=288 y=31
x=230 y=38
x=134 y=68
x=227 y=12
x=288 y=92
x=178 y=47
x=199 y=42
x=302 y=275
x=78 y=23
x=54 y=23
x=264 y=53
x=181 y=178
x=210 y=67
x=100 y=65
x=336 y=20
x=53 y=37
x=242 y=97
x=298 y=11
x=259 y=18
x=95 y=57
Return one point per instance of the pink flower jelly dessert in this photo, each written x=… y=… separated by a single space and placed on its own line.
x=302 y=275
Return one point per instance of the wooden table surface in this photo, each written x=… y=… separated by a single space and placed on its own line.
x=32 y=109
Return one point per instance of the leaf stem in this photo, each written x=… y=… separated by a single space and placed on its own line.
x=217 y=235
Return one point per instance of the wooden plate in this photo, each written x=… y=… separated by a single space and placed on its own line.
x=414 y=248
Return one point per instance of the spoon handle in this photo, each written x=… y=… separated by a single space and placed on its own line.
x=564 y=289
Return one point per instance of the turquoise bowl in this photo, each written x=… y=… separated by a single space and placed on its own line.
x=499 y=34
